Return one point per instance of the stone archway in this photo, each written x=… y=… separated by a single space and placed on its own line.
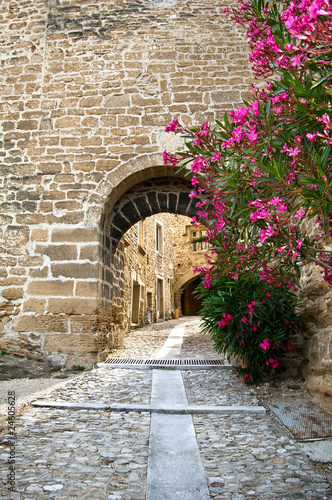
x=181 y=285
x=144 y=192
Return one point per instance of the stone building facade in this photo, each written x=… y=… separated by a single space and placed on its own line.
x=87 y=88
x=159 y=261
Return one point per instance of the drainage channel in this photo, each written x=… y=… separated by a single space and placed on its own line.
x=170 y=364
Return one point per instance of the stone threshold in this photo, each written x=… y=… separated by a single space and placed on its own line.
x=176 y=409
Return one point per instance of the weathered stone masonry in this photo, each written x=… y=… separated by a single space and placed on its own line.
x=87 y=88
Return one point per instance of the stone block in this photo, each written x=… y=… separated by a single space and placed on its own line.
x=70 y=343
x=86 y=289
x=106 y=165
x=83 y=324
x=90 y=102
x=20 y=346
x=40 y=324
x=68 y=122
x=75 y=235
x=227 y=96
x=16 y=238
x=12 y=293
x=37 y=306
x=72 y=306
x=56 y=288
x=39 y=235
x=27 y=125
x=75 y=270
x=117 y=101
x=89 y=252
x=58 y=252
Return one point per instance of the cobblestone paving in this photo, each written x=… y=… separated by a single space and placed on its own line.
x=65 y=454
x=252 y=457
x=106 y=386
x=144 y=343
x=216 y=387
x=197 y=344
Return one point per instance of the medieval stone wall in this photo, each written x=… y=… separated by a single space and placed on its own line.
x=87 y=89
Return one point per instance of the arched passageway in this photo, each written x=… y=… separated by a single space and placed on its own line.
x=190 y=304
x=141 y=194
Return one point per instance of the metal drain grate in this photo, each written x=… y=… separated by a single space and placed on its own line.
x=304 y=420
x=165 y=362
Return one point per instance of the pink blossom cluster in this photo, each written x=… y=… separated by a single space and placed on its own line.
x=226 y=319
x=273 y=362
x=301 y=15
x=265 y=345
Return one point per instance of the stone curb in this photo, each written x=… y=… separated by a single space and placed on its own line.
x=168 y=409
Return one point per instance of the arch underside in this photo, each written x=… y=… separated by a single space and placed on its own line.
x=161 y=194
x=140 y=195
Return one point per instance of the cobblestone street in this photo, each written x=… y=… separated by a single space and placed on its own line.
x=68 y=453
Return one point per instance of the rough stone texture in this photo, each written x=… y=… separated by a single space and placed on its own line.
x=87 y=92
x=70 y=453
x=316 y=366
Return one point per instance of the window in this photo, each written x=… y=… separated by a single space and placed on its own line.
x=159 y=238
x=160 y=298
x=141 y=233
x=198 y=245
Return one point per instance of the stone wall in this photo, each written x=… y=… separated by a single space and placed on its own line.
x=87 y=89
x=316 y=365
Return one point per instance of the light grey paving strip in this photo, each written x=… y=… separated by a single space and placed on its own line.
x=175 y=470
x=172 y=346
x=159 y=408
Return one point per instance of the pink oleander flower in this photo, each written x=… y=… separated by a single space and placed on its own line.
x=273 y=362
x=216 y=157
x=265 y=345
x=299 y=243
x=170 y=159
x=311 y=137
x=172 y=126
x=192 y=194
x=225 y=320
x=300 y=213
x=263 y=213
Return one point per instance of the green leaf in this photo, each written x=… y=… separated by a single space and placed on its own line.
x=321 y=80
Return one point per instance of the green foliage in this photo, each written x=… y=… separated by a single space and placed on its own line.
x=245 y=314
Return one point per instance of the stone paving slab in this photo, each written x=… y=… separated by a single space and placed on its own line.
x=176 y=409
x=175 y=469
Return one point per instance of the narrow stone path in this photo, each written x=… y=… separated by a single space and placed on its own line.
x=89 y=449
x=175 y=469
